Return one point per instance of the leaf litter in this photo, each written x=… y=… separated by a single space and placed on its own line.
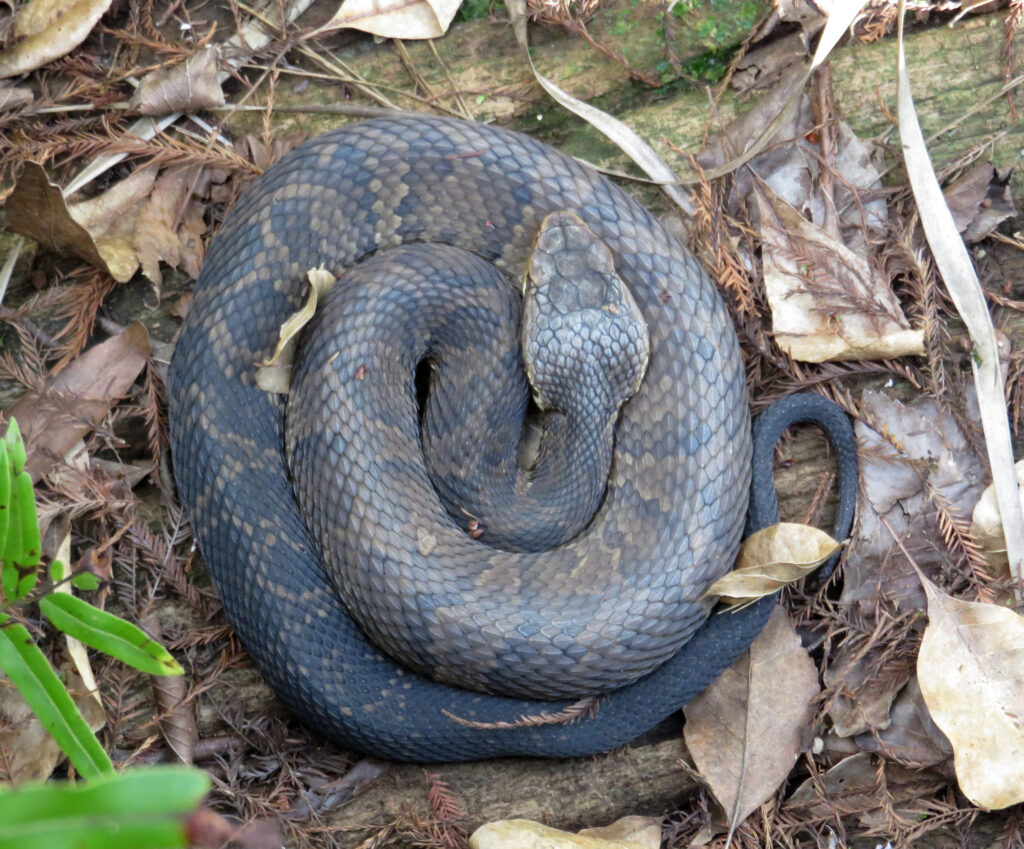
x=922 y=469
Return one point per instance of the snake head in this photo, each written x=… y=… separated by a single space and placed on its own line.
x=582 y=330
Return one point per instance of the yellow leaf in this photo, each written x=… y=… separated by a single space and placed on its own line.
x=771 y=558
x=46 y=30
x=971 y=672
x=274 y=375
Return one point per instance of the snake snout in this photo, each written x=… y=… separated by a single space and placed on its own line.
x=581 y=326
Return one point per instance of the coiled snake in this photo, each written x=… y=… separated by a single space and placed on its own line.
x=669 y=523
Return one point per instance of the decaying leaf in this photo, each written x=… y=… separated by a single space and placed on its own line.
x=865 y=685
x=48 y=29
x=396 y=18
x=30 y=752
x=771 y=558
x=979 y=201
x=141 y=219
x=912 y=737
x=826 y=302
x=971 y=672
x=916 y=475
x=274 y=375
x=987 y=526
x=186 y=87
x=746 y=730
x=861 y=785
x=11 y=97
x=526 y=834
x=78 y=398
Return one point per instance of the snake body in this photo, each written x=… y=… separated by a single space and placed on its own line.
x=669 y=524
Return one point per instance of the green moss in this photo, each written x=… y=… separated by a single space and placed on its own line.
x=474 y=10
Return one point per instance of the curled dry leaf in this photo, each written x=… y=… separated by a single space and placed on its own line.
x=526 y=834
x=864 y=682
x=971 y=672
x=274 y=375
x=826 y=302
x=979 y=201
x=396 y=18
x=46 y=30
x=771 y=558
x=78 y=398
x=139 y=220
x=186 y=87
x=987 y=526
x=746 y=730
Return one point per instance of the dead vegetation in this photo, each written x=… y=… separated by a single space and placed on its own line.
x=870 y=768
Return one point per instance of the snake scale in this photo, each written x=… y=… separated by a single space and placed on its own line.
x=670 y=521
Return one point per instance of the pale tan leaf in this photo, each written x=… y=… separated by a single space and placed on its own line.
x=987 y=526
x=11 y=97
x=971 y=671
x=745 y=731
x=48 y=29
x=957 y=270
x=78 y=398
x=526 y=834
x=396 y=18
x=189 y=86
x=274 y=375
x=771 y=558
x=643 y=830
x=826 y=302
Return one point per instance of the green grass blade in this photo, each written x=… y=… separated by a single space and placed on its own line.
x=5 y=495
x=142 y=808
x=34 y=678
x=123 y=833
x=143 y=791
x=108 y=633
x=24 y=497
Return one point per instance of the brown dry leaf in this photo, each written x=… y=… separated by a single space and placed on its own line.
x=971 y=672
x=979 y=201
x=139 y=220
x=48 y=29
x=912 y=737
x=186 y=87
x=30 y=753
x=987 y=526
x=865 y=688
x=771 y=558
x=396 y=18
x=526 y=834
x=11 y=97
x=643 y=830
x=274 y=375
x=903 y=487
x=860 y=785
x=36 y=208
x=826 y=302
x=78 y=398
x=177 y=715
x=745 y=731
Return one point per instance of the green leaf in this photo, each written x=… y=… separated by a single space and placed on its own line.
x=108 y=633
x=5 y=495
x=85 y=581
x=15 y=447
x=34 y=678
x=141 y=808
x=25 y=499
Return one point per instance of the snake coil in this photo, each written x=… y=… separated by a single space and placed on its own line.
x=357 y=192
